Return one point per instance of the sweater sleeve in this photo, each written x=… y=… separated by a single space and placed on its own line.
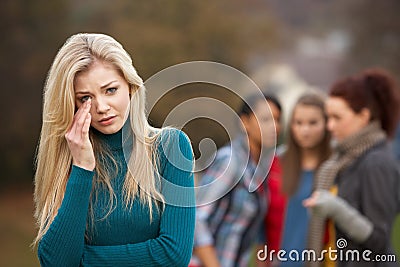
x=174 y=244
x=63 y=243
x=378 y=199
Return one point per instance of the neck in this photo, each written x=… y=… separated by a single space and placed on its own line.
x=310 y=158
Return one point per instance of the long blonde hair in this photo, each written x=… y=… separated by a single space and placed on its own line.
x=54 y=160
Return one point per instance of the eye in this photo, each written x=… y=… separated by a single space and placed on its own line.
x=334 y=117
x=85 y=98
x=297 y=122
x=111 y=90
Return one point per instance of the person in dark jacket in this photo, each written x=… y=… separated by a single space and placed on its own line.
x=356 y=192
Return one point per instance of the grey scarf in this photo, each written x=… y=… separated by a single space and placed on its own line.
x=344 y=154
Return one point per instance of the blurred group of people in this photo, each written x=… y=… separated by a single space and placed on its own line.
x=335 y=177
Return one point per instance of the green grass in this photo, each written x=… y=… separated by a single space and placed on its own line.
x=17 y=229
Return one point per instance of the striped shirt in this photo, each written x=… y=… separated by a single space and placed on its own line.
x=232 y=223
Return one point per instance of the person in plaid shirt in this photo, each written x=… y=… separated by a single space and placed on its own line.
x=228 y=228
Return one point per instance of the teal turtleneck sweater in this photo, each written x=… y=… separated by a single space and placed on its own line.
x=126 y=237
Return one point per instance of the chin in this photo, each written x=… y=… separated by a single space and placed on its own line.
x=112 y=129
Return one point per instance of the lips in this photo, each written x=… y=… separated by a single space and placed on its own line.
x=107 y=120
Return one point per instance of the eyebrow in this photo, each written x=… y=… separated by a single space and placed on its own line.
x=101 y=87
x=107 y=84
x=82 y=93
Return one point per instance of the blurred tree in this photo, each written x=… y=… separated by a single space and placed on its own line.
x=375 y=26
x=159 y=34
x=31 y=31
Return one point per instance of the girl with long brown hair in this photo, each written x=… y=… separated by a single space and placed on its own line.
x=308 y=145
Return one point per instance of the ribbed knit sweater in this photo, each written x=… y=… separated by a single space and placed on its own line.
x=125 y=237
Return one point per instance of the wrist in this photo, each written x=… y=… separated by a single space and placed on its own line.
x=326 y=204
x=85 y=165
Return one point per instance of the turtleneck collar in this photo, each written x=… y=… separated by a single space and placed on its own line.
x=114 y=141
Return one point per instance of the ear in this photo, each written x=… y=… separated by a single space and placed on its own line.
x=365 y=115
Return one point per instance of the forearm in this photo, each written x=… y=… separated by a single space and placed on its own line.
x=173 y=246
x=352 y=222
x=355 y=225
x=154 y=252
x=63 y=242
x=207 y=255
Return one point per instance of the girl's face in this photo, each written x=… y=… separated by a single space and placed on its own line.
x=109 y=93
x=308 y=126
x=342 y=120
x=265 y=124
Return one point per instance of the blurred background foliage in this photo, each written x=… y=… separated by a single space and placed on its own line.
x=317 y=40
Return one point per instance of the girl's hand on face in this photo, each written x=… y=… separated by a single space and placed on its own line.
x=78 y=138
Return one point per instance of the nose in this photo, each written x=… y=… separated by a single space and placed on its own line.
x=330 y=125
x=305 y=129
x=101 y=105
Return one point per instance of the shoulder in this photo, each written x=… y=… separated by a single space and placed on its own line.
x=227 y=161
x=378 y=169
x=169 y=134
x=226 y=155
x=379 y=177
x=172 y=142
x=378 y=156
x=280 y=150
